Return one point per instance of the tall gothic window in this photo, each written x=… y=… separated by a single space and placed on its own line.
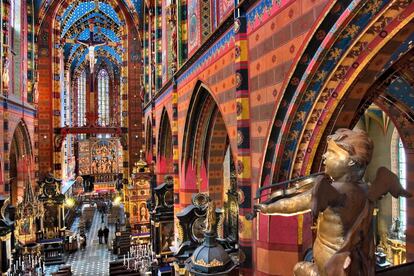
x=82 y=99
x=403 y=179
x=103 y=97
x=15 y=58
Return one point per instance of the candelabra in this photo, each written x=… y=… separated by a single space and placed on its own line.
x=140 y=258
x=32 y=265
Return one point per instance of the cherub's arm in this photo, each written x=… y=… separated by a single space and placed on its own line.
x=306 y=199
x=288 y=206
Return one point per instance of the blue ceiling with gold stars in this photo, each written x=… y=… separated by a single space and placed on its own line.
x=91 y=23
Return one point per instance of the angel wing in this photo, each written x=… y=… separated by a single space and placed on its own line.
x=386 y=182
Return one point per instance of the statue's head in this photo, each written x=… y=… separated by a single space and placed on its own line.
x=348 y=152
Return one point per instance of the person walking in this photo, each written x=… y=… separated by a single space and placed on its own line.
x=106 y=234
x=83 y=241
x=100 y=235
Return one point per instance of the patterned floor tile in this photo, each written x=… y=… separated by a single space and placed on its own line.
x=94 y=260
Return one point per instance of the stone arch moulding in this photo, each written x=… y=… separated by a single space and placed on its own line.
x=165 y=144
x=358 y=90
x=203 y=125
x=342 y=35
x=357 y=100
x=148 y=139
x=20 y=162
x=26 y=141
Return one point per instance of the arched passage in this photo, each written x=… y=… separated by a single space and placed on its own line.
x=205 y=145
x=20 y=163
x=148 y=140
x=165 y=147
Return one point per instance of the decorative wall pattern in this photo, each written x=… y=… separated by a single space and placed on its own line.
x=273 y=49
x=164 y=43
x=264 y=10
x=194 y=20
x=224 y=7
x=225 y=43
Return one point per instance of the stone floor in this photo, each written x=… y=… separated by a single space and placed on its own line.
x=94 y=260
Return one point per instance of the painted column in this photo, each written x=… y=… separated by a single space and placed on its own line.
x=158 y=43
x=57 y=107
x=176 y=163
x=155 y=58
x=124 y=102
x=146 y=57
x=134 y=99
x=182 y=32
x=153 y=138
x=5 y=65
x=30 y=51
x=409 y=156
x=243 y=164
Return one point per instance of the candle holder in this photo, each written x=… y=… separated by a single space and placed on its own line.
x=27 y=260
x=139 y=258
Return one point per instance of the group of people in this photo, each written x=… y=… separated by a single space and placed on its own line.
x=103 y=233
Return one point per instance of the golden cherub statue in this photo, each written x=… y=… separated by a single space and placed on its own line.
x=342 y=205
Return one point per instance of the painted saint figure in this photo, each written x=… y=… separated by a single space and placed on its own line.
x=5 y=73
x=342 y=205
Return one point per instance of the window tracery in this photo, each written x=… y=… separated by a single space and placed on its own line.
x=103 y=98
x=82 y=99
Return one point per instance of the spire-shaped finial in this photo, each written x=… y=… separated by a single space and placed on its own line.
x=28 y=196
x=211 y=217
x=140 y=165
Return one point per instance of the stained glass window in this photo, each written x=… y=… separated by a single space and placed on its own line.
x=103 y=97
x=15 y=24
x=82 y=99
x=403 y=179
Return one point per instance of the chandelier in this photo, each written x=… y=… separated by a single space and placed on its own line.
x=28 y=261
x=140 y=258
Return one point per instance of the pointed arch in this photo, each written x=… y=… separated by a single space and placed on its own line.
x=205 y=143
x=324 y=72
x=165 y=144
x=21 y=159
x=103 y=97
x=148 y=139
x=334 y=84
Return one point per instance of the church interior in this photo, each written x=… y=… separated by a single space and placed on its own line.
x=207 y=137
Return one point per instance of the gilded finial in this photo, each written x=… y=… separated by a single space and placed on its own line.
x=140 y=165
x=211 y=217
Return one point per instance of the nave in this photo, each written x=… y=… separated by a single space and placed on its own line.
x=95 y=258
x=245 y=137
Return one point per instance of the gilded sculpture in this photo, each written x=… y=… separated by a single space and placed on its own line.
x=341 y=204
x=210 y=221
